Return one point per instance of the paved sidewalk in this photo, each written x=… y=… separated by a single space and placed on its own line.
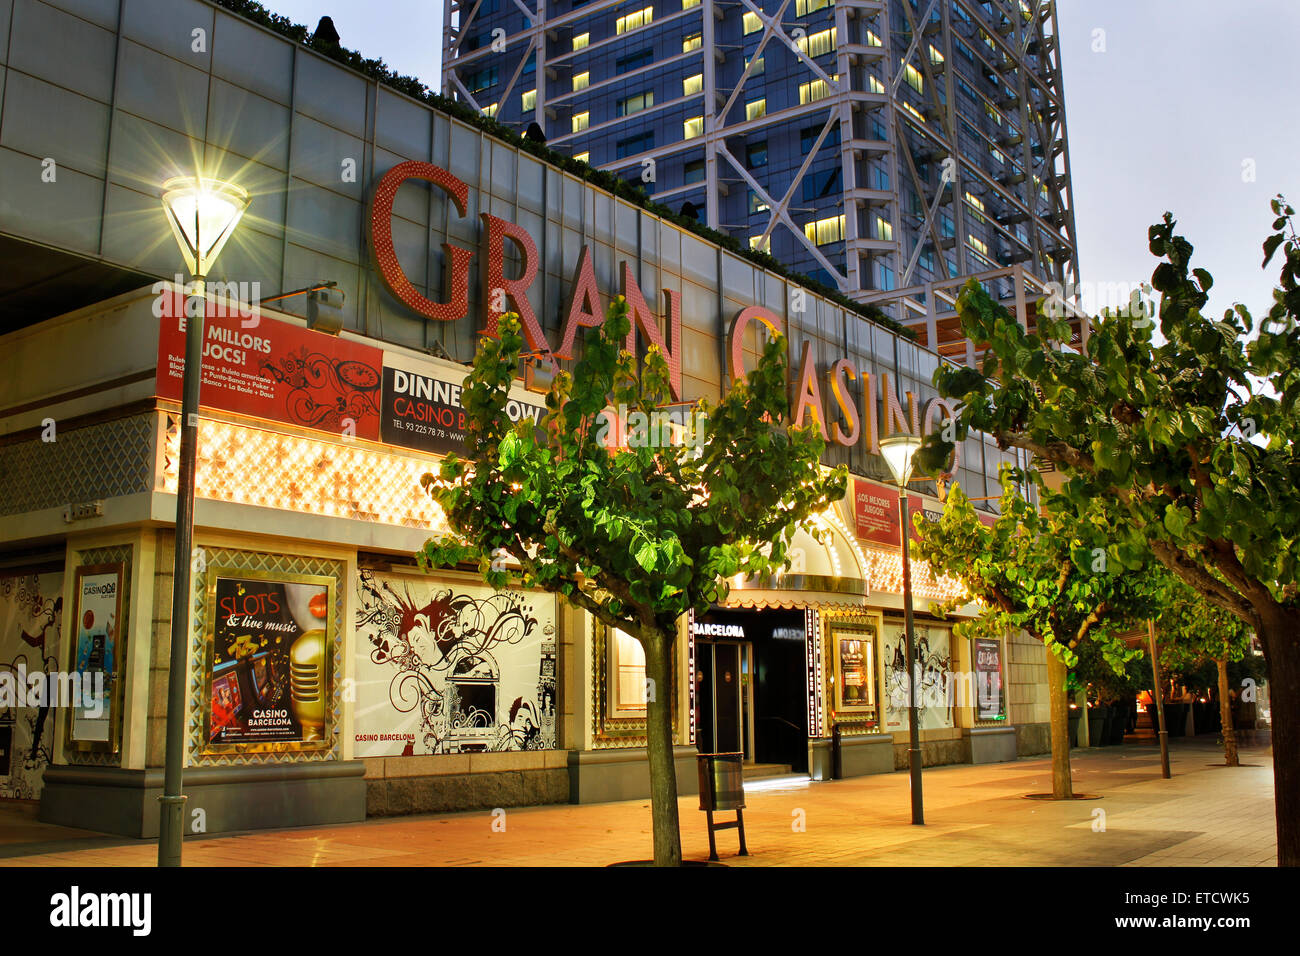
x=1206 y=815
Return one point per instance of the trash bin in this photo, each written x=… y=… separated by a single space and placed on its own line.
x=722 y=787
x=722 y=781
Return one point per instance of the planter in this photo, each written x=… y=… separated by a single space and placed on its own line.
x=1097 y=722
x=1200 y=718
x=1118 y=725
x=1176 y=719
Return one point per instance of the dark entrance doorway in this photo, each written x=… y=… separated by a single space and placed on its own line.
x=752 y=692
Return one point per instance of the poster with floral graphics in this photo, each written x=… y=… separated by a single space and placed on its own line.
x=31 y=620
x=444 y=668
x=934 y=687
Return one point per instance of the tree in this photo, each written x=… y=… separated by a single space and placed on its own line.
x=1194 y=438
x=634 y=535
x=1044 y=573
x=1192 y=630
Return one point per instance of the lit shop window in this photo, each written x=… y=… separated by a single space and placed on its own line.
x=489 y=110
x=816 y=44
x=804 y=7
x=755 y=108
x=751 y=22
x=812 y=91
x=635 y=103
x=583 y=157
x=581 y=40
x=581 y=121
x=693 y=127
x=913 y=76
x=528 y=101
x=761 y=244
x=581 y=81
x=634 y=20
x=692 y=42
x=627 y=685
x=822 y=231
x=693 y=84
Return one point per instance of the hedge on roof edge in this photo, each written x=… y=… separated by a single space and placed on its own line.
x=412 y=87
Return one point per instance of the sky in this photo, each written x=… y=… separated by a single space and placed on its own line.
x=1186 y=106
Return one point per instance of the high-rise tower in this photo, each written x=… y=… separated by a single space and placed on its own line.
x=888 y=148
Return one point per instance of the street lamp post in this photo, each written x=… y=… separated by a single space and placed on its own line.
x=202 y=213
x=898 y=451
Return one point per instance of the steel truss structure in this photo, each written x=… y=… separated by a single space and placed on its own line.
x=940 y=123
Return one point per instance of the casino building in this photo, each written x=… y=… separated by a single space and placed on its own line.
x=328 y=678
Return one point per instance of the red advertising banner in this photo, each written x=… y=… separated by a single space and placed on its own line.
x=875 y=512
x=258 y=366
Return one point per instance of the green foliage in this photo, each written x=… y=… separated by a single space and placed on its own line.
x=1044 y=573
x=414 y=88
x=639 y=535
x=1108 y=682
x=1192 y=631
x=1163 y=429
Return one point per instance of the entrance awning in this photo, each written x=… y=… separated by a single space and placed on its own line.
x=797 y=591
x=826 y=573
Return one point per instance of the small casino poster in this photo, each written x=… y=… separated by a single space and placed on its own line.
x=96 y=651
x=269 y=676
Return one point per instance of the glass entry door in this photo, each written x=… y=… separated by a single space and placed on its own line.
x=723 y=676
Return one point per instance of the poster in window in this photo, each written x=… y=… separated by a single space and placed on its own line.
x=269 y=676
x=96 y=653
x=449 y=667
x=855 y=689
x=988 y=679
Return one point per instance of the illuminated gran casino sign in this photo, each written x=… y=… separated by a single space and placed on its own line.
x=881 y=413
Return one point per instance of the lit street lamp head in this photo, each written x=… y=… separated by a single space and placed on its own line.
x=898 y=451
x=203 y=214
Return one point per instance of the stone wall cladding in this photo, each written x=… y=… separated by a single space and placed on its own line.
x=1033 y=739
x=442 y=793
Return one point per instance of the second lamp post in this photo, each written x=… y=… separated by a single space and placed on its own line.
x=898 y=451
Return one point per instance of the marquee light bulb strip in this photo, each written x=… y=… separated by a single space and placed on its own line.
x=252 y=466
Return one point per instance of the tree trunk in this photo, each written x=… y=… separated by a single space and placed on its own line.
x=1278 y=634
x=1059 y=700
x=659 y=749
x=1225 y=715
